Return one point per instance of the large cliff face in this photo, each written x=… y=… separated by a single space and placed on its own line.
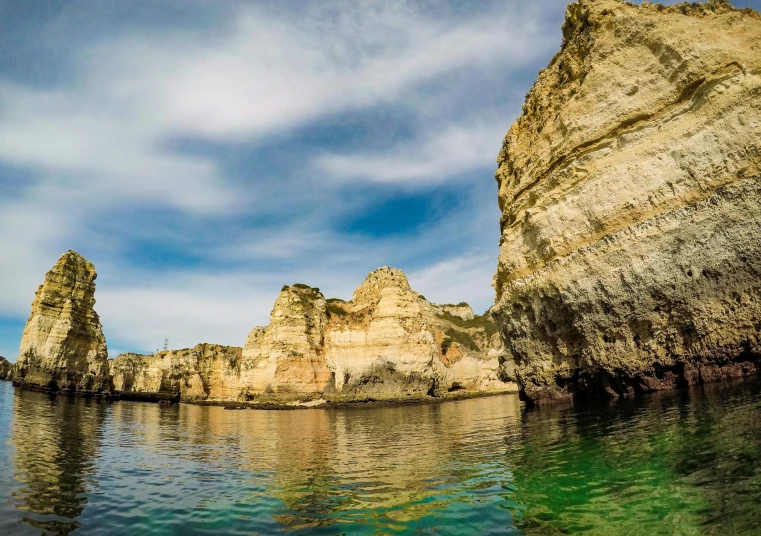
x=62 y=347
x=285 y=360
x=631 y=196
x=386 y=344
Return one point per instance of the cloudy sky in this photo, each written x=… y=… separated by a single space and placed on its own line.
x=203 y=154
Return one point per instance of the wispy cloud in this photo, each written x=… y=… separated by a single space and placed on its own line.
x=139 y=141
x=436 y=158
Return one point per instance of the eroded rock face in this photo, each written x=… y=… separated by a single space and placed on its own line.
x=387 y=344
x=63 y=347
x=285 y=360
x=206 y=372
x=630 y=189
x=6 y=369
x=461 y=310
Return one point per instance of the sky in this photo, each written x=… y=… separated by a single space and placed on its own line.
x=204 y=154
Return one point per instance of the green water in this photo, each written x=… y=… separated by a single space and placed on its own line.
x=674 y=463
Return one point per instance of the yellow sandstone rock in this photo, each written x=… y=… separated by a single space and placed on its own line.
x=62 y=347
x=387 y=344
x=630 y=190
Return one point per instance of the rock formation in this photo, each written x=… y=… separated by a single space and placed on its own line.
x=386 y=344
x=205 y=372
x=62 y=347
x=461 y=310
x=390 y=343
x=630 y=190
x=6 y=369
x=285 y=360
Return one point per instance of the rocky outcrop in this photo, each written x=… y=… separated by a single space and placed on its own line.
x=630 y=190
x=390 y=343
x=6 y=369
x=285 y=361
x=204 y=372
x=386 y=344
x=461 y=310
x=62 y=347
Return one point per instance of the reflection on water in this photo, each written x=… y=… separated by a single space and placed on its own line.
x=675 y=463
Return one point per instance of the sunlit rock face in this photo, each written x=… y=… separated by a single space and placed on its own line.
x=285 y=361
x=386 y=344
x=204 y=372
x=630 y=190
x=6 y=369
x=63 y=347
x=390 y=343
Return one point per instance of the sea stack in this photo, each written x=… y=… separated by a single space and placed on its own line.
x=63 y=348
x=630 y=190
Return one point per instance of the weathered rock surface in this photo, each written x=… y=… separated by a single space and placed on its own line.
x=390 y=343
x=6 y=369
x=461 y=310
x=204 y=372
x=387 y=344
x=631 y=196
x=285 y=361
x=62 y=347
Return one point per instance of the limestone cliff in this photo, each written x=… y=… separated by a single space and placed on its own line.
x=62 y=347
x=6 y=369
x=204 y=372
x=386 y=344
x=285 y=360
x=630 y=190
x=390 y=343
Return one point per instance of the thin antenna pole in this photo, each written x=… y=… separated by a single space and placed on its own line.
x=166 y=344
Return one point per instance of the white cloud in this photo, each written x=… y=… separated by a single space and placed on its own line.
x=105 y=142
x=439 y=156
x=462 y=278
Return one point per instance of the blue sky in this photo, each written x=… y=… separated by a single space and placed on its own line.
x=204 y=154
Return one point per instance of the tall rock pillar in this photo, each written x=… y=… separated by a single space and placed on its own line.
x=63 y=348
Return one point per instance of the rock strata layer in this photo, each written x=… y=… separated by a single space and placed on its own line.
x=63 y=348
x=386 y=344
x=630 y=190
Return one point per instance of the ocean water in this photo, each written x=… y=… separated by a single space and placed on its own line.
x=684 y=462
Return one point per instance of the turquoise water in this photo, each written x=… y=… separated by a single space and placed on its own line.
x=674 y=463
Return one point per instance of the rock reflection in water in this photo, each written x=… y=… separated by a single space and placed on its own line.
x=672 y=463
x=56 y=442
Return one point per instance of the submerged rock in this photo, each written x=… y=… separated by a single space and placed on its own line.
x=630 y=190
x=63 y=347
x=6 y=369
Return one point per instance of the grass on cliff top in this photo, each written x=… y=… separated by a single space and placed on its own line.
x=460 y=337
x=483 y=322
x=335 y=309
